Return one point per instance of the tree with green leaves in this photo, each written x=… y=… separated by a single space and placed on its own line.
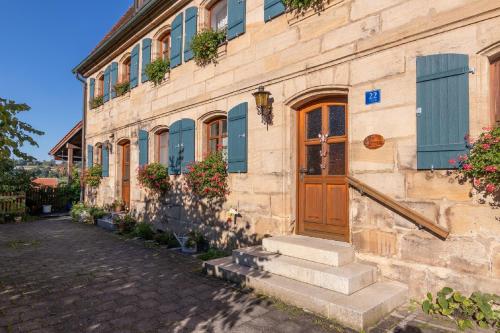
x=14 y=133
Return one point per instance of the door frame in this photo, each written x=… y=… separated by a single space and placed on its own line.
x=121 y=165
x=311 y=104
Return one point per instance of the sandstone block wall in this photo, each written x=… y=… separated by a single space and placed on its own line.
x=353 y=46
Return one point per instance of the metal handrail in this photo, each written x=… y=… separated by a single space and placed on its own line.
x=399 y=208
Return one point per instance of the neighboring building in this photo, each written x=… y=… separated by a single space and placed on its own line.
x=421 y=74
x=46 y=182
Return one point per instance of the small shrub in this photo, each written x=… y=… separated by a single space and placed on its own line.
x=166 y=238
x=157 y=70
x=154 y=177
x=97 y=102
x=196 y=238
x=125 y=223
x=212 y=253
x=479 y=308
x=122 y=88
x=208 y=178
x=205 y=46
x=93 y=176
x=77 y=210
x=144 y=231
x=97 y=212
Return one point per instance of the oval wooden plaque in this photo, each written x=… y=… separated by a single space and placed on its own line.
x=374 y=141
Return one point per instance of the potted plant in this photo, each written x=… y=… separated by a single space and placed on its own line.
x=97 y=102
x=205 y=46
x=125 y=223
x=122 y=88
x=157 y=70
x=118 y=205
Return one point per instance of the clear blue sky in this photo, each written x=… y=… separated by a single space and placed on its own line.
x=41 y=41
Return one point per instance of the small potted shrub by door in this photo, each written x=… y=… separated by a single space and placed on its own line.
x=118 y=206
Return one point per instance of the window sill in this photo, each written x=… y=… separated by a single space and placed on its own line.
x=165 y=81
x=293 y=18
x=122 y=97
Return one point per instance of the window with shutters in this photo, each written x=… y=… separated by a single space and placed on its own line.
x=98 y=154
x=164 y=46
x=216 y=138
x=218 y=15
x=495 y=89
x=442 y=109
x=272 y=9
x=161 y=151
x=125 y=70
x=100 y=85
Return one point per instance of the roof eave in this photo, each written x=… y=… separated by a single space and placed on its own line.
x=144 y=11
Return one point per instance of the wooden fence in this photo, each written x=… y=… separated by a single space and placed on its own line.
x=59 y=198
x=12 y=203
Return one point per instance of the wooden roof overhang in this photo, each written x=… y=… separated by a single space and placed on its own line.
x=73 y=139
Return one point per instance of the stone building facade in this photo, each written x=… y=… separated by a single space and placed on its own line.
x=334 y=56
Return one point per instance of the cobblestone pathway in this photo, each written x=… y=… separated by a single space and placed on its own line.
x=57 y=276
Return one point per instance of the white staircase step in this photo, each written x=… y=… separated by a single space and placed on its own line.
x=319 y=250
x=346 y=279
x=359 y=311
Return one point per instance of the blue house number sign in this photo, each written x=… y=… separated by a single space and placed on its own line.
x=372 y=97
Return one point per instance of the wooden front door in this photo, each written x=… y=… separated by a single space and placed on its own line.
x=126 y=174
x=322 y=170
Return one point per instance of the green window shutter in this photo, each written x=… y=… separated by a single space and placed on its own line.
x=176 y=42
x=146 y=58
x=143 y=147
x=187 y=143
x=236 y=18
x=237 y=132
x=272 y=9
x=90 y=156
x=134 y=67
x=114 y=78
x=442 y=109
x=107 y=74
x=92 y=89
x=174 y=143
x=190 y=23
x=105 y=161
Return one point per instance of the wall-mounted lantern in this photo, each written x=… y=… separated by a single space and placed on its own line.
x=264 y=105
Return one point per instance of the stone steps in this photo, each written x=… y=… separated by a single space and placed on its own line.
x=318 y=250
x=346 y=279
x=359 y=310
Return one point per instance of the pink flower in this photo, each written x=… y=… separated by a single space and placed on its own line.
x=486 y=146
x=490 y=188
x=452 y=161
x=490 y=168
x=467 y=167
x=486 y=128
x=477 y=182
x=463 y=158
x=487 y=136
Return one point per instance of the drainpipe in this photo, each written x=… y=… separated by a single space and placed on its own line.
x=80 y=78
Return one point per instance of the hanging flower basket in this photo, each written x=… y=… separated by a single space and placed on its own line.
x=154 y=177
x=207 y=179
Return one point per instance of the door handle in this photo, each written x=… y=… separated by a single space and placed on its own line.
x=302 y=172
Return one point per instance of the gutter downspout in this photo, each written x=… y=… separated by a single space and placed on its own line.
x=80 y=78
